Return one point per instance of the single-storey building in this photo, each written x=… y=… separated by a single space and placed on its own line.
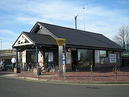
x=50 y=46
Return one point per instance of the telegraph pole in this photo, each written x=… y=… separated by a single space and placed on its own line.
x=84 y=16
x=76 y=22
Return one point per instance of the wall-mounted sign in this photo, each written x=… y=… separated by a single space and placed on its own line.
x=97 y=56
x=68 y=58
x=63 y=58
x=24 y=56
x=73 y=49
x=112 y=58
x=23 y=40
x=60 y=41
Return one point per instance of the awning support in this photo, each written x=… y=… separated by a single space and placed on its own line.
x=37 y=65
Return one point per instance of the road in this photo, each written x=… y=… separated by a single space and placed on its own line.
x=20 y=88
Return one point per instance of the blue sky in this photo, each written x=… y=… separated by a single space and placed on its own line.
x=100 y=16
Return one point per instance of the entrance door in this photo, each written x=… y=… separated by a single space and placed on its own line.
x=49 y=60
x=74 y=59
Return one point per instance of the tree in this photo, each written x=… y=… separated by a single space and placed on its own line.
x=122 y=37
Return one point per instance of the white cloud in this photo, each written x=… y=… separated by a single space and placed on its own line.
x=7 y=32
x=98 y=18
x=28 y=20
x=6 y=45
x=7 y=37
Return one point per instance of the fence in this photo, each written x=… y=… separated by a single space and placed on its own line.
x=125 y=61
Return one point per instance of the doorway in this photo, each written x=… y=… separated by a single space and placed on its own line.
x=49 y=60
x=74 y=59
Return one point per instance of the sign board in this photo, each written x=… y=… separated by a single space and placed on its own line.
x=60 y=41
x=24 y=56
x=112 y=58
x=97 y=56
x=63 y=58
x=68 y=58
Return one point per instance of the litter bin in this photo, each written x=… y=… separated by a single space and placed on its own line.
x=37 y=71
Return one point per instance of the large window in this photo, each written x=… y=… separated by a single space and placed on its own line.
x=102 y=53
x=85 y=58
x=101 y=56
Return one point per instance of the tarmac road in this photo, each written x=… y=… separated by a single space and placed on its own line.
x=20 y=88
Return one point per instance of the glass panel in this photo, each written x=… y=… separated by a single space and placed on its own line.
x=85 y=58
x=102 y=53
x=49 y=56
x=97 y=56
x=103 y=58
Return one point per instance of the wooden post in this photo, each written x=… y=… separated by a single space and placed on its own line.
x=36 y=56
x=37 y=70
x=17 y=69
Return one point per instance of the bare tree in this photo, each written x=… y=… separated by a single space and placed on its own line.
x=122 y=37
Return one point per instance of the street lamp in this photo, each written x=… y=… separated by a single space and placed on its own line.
x=84 y=9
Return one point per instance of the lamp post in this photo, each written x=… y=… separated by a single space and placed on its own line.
x=84 y=9
x=76 y=21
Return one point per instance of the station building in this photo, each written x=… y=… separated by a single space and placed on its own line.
x=50 y=46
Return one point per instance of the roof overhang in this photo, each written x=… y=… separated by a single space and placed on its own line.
x=93 y=47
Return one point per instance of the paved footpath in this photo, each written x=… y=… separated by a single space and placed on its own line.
x=74 y=77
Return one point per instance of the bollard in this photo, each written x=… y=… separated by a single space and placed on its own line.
x=91 y=72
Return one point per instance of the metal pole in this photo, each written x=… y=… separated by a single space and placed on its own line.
x=17 y=58
x=76 y=22
x=37 y=57
x=91 y=72
x=60 y=49
x=84 y=17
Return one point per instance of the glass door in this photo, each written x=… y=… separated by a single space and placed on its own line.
x=49 y=62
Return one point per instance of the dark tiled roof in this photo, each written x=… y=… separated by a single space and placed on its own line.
x=41 y=39
x=79 y=37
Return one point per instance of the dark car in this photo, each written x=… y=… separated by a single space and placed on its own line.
x=8 y=67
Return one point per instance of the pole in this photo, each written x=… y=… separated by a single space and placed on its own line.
x=17 y=66
x=91 y=72
x=36 y=56
x=37 y=69
x=84 y=16
x=17 y=59
x=60 y=43
x=76 y=22
x=60 y=49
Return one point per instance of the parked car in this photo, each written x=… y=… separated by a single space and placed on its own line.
x=8 y=67
x=1 y=67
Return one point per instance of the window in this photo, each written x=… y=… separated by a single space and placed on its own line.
x=102 y=53
x=85 y=58
x=101 y=56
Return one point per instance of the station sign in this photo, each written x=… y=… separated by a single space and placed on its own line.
x=112 y=58
x=60 y=41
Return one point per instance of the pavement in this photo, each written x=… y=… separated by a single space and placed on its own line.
x=121 y=77
x=10 y=87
